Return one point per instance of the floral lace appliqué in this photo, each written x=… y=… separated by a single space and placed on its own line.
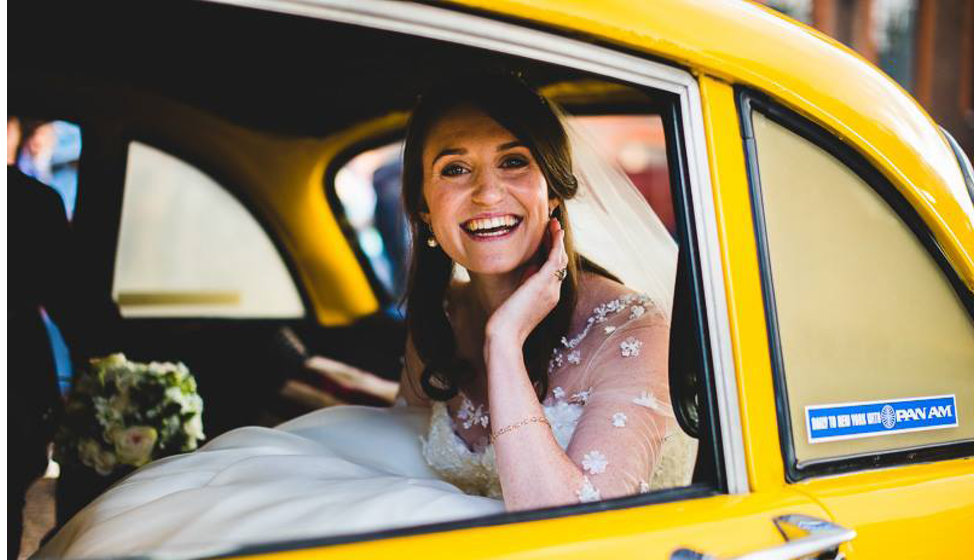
x=557 y=360
x=594 y=462
x=647 y=400
x=575 y=357
x=599 y=315
x=644 y=487
x=559 y=393
x=630 y=348
x=588 y=493
x=619 y=420
x=582 y=397
x=471 y=415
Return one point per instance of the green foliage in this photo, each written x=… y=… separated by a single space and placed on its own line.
x=123 y=414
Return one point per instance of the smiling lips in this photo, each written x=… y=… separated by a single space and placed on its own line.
x=491 y=227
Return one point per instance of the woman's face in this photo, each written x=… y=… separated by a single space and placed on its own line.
x=487 y=198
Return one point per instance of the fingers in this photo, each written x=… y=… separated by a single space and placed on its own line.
x=557 y=257
x=556 y=260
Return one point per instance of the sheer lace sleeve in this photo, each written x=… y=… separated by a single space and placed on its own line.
x=623 y=387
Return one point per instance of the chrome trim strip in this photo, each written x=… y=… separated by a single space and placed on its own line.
x=467 y=29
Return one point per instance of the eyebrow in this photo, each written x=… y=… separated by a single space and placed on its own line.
x=461 y=151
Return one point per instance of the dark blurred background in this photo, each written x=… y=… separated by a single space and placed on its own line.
x=924 y=45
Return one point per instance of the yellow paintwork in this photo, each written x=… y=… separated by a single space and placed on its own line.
x=279 y=177
x=740 y=265
x=744 y=43
x=648 y=532
x=723 y=42
x=917 y=511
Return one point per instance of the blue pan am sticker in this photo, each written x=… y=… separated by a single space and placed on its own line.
x=834 y=422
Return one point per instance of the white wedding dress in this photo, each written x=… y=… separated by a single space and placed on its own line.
x=353 y=469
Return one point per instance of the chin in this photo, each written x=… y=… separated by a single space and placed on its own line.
x=496 y=266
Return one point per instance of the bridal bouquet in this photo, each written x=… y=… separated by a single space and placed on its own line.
x=123 y=414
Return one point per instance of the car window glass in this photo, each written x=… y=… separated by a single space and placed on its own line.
x=877 y=349
x=188 y=248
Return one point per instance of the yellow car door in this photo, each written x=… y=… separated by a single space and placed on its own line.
x=871 y=331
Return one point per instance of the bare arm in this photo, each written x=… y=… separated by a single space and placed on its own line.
x=534 y=470
x=618 y=438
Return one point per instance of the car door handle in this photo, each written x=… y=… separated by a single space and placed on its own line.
x=820 y=540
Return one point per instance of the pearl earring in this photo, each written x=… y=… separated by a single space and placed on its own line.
x=431 y=241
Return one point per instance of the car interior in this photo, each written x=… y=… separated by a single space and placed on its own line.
x=264 y=104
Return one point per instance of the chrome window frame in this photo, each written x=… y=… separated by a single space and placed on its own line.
x=482 y=32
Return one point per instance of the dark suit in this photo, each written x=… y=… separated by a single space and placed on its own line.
x=43 y=270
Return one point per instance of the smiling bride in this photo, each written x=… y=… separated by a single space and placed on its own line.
x=535 y=368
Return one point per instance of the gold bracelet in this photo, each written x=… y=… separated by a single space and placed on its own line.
x=516 y=425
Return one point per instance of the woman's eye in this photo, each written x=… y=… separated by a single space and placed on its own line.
x=512 y=162
x=452 y=170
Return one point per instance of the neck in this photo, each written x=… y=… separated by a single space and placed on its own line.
x=490 y=291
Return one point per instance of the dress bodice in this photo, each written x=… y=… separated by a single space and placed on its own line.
x=475 y=470
x=608 y=410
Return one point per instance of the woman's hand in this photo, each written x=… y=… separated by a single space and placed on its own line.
x=536 y=296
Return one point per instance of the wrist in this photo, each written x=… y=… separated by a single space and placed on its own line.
x=502 y=335
x=500 y=345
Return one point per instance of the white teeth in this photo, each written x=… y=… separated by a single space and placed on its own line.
x=481 y=224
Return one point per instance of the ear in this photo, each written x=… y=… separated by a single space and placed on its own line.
x=552 y=204
x=424 y=216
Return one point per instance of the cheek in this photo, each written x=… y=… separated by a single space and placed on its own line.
x=441 y=204
x=535 y=195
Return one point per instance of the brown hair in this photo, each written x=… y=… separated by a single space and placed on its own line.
x=530 y=118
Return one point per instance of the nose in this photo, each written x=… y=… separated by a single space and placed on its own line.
x=487 y=190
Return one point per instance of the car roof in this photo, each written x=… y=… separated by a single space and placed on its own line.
x=745 y=43
x=277 y=75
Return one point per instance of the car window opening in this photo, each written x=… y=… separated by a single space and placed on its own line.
x=193 y=271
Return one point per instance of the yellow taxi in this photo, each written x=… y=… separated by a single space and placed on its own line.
x=822 y=341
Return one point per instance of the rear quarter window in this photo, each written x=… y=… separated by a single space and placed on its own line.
x=874 y=344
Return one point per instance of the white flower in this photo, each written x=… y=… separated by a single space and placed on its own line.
x=112 y=360
x=644 y=487
x=558 y=392
x=588 y=493
x=194 y=429
x=170 y=426
x=630 y=348
x=134 y=445
x=582 y=396
x=619 y=420
x=158 y=368
x=609 y=329
x=92 y=454
x=105 y=413
x=197 y=403
x=189 y=402
x=575 y=357
x=594 y=462
x=636 y=311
